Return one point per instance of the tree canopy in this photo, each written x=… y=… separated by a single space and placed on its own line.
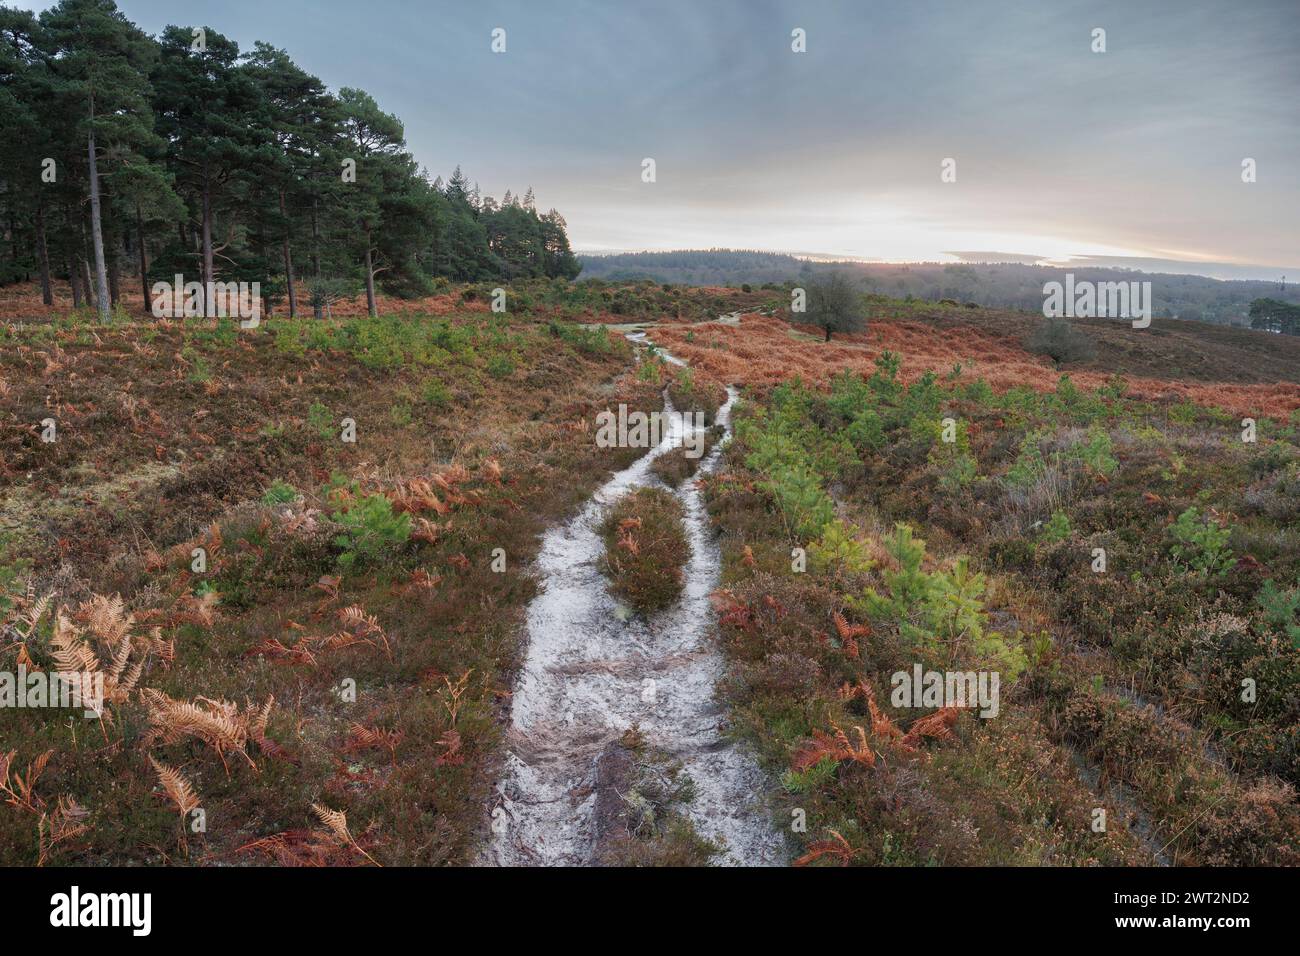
x=179 y=154
x=835 y=305
x=1274 y=316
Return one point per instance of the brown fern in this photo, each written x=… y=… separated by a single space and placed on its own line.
x=20 y=791
x=836 y=746
x=375 y=737
x=336 y=824
x=177 y=788
x=217 y=723
x=64 y=824
x=838 y=848
x=937 y=726
x=849 y=634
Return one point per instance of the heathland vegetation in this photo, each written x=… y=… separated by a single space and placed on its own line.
x=1122 y=556
x=313 y=640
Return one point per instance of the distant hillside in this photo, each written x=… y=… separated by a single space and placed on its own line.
x=694 y=267
x=1006 y=285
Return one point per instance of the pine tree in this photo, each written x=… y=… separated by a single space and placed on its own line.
x=101 y=62
x=177 y=154
x=299 y=117
x=203 y=103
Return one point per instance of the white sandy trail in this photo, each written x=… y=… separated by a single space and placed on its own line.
x=587 y=678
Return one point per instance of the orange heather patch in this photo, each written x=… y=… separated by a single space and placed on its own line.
x=766 y=351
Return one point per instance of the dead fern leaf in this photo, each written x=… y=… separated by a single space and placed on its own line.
x=64 y=824
x=335 y=821
x=20 y=791
x=937 y=726
x=178 y=789
x=835 y=746
x=375 y=737
x=838 y=848
x=215 y=722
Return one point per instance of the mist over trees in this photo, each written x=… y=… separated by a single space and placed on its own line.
x=126 y=155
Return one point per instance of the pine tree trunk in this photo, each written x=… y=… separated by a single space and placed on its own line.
x=96 y=233
x=207 y=245
x=144 y=264
x=288 y=266
x=370 y=280
x=76 y=285
x=114 y=276
x=43 y=255
x=828 y=333
x=316 y=309
x=113 y=257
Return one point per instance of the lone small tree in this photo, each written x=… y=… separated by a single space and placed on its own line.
x=1061 y=342
x=834 y=305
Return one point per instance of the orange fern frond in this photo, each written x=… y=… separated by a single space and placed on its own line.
x=178 y=789
x=838 y=848
x=937 y=726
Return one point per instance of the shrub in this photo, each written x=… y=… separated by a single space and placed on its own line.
x=908 y=586
x=849 y=395
x=866 y=431
x=279 y=493
x=797 y=490
x=592 y=339
x=839 y=550
x=289 y=336
x=942 y=611
x=400 y=414
x=500 y=366
x=796 y=457
x=1057 y=528
x=1061 y=342
x=1096 y=452
x=369 y=529
x=1201 y=545
x=980 y=393
x=435 y=393
x=1029 y=465
x=321 y=419
x=646 y=548
x=1280 y=609
x=953 y=460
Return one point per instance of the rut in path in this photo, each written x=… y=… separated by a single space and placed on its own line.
x=587 y=678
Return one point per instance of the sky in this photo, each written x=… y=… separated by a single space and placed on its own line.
x=1134 y=154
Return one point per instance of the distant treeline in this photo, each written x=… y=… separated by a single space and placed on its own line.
x=720 y=267
x=995 y=285
x=125 y=154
